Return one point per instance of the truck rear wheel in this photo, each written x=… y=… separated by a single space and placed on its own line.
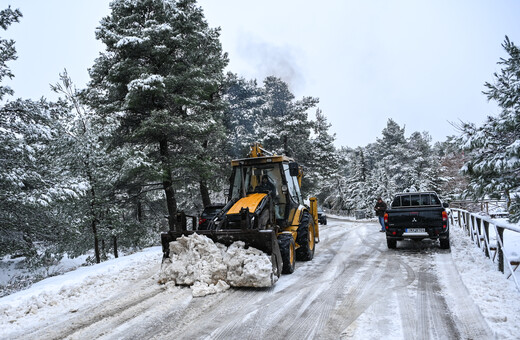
x=305 y=239
x=287 y=250
x=444 y=243
x=391 y=243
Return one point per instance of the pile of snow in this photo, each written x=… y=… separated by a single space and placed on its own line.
x=210 y=267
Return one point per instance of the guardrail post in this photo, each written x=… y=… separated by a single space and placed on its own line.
x=465 y=218
x=486 y=237
x=472 y=227
x=478 y=230
x=500 y=242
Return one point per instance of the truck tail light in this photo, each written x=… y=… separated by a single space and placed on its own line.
x=444 y=219
x=386 y=218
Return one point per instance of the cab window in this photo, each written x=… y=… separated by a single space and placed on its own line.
x=292 y=186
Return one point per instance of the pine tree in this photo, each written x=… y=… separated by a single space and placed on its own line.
x=493 y=150
x=334 y=193
x=161 y=75
x=284 y=126
x=242 y=117
x=451 y=181
x=392 y=154
x=83 y=153
x=324 y=161
x=30 y=181
x=423 y=166
x=7 y=49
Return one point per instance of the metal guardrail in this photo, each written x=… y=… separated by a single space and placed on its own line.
x=478 y=228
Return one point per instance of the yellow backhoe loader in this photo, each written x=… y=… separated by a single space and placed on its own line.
x=265 y=210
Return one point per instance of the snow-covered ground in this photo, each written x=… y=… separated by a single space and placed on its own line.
x=68 y=291
x=354 y=270
x=497 y=298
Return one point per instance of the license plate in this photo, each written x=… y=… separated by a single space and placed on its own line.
x=415 y=230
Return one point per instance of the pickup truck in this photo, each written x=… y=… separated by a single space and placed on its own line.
x=416 y=216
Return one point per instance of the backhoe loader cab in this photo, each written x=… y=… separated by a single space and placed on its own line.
x=266 y=210
x=284 y=192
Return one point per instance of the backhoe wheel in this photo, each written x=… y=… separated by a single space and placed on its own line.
x=287 y=249
x=305 y=238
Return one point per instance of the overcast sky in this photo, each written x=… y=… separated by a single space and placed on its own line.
x=421 y=63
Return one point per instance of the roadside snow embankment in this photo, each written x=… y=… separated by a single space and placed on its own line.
x=210 y=267
x=76 y=290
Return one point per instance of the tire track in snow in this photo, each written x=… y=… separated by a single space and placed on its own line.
x=307 y=297
x=87 y=314
x=353 y=280
x=305 y=306
x=467 y=315
x=435 y=320
x=366 y=286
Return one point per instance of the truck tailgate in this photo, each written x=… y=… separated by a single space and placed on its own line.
x=419 y=217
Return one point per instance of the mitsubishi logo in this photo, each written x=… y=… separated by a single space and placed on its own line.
x=414 y=220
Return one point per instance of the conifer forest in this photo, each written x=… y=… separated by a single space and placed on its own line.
x=107 y=167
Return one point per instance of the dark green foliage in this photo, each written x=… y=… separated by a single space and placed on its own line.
x=29 y=181
x=393 y=164
x=7 y=49
x=161 y=76
x=493 y=149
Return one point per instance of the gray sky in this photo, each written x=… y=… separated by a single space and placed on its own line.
x=421 y=63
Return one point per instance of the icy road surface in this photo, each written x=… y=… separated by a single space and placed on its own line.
x=355 y=288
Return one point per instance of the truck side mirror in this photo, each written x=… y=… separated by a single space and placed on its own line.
x=294 y=169
x=445 y=205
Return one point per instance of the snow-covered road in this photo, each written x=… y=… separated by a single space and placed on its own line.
x=355 y=288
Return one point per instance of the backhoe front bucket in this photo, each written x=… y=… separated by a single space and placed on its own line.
x=264 y=240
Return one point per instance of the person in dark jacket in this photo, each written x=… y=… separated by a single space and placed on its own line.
x=380 y=209
x=266 y=185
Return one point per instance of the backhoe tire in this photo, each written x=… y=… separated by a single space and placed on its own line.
x=305 y=238
x=287 y=250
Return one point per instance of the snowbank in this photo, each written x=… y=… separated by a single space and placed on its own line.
x=209 y=267
x=496 y=296
x=75 y=290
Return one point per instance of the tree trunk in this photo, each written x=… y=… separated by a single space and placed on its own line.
x=116 y=254
x=103 y=250
x=204 y=193
x=95 y=220
x=171 y=202
x=139 y=211
x=96 y=241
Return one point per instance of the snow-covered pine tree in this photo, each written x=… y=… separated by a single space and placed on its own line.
x=493 y=149
x=356 y=181
x=451 y=181
x=7 y=49
x=284 y=126
x=244 y=99
x=333 y=193
x=84 y=153
x=30 y=181
x=323 y=163
x=423 y=165
x=160 y=75
x=391 y=154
